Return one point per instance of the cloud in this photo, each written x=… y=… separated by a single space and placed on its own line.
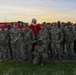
x=41 y=9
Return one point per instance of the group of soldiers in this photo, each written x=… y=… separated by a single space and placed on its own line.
x=53 y=41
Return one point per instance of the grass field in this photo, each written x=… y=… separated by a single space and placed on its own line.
x=26 y=68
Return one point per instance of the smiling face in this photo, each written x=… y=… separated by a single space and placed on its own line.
x=34 y=21
x=54 y=26
x=26 y=27
x=43 y=27
x=70 y=28
x=48 y=25
x=62 y=24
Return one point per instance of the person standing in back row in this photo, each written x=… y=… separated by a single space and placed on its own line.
x=27 y=39
x=35 y=27
x=43 y=35
x=15 y=42
x=56 y=39
x=3 y=44
x=70 y=37
x=9 y=40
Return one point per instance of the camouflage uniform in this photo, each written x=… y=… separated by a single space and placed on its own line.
x=40 y=54
x=9 y=41
x=63 y=42
x=61 y=30
x=49 y=43
x=44 y=36
x=3 y=45
x=15 y=43
x=56 y=38
x=27 y=39
x=70 y=37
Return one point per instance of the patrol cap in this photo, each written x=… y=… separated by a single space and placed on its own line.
x=48 y=23
x=44 y=24
x=62 y=23
x=69 y=23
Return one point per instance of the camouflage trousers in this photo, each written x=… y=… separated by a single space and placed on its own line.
x=4 y=53
x=38 y=58
x=62 y=48
x=27 y=51
x=55 y=46
x=70 y=49
x=15 y=51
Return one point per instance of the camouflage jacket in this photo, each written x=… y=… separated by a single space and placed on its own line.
x=40 y=49
x=27 y=35
x=15 y=34
x=3 y=37
x=56 y=35
x=70 y=36
x=43 y=35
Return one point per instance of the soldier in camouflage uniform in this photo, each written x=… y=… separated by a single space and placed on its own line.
x=70 y=37
x=43 y=35
x=3 y=44
x=40 y=54
x=48 y=27
x=9 y=40
x=63 y=42
x=15 y=42
x=61 y=29
x=56 y=38
x=27 y=39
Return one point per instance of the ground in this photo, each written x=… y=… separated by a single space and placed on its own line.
x=26 y=68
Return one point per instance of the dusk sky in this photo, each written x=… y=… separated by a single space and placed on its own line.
x=42 y=10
